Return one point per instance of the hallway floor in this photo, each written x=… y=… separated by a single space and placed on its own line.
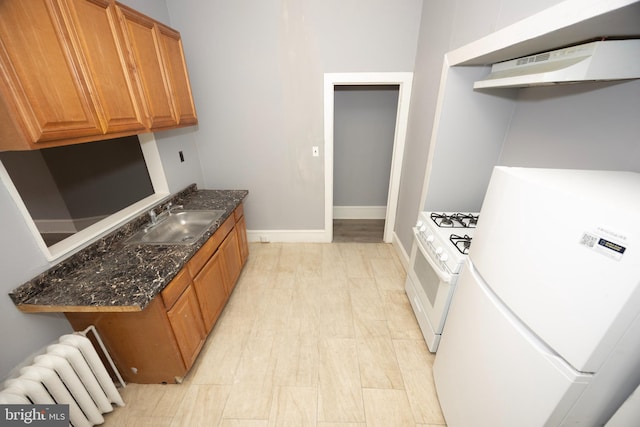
x=358 y=230
x=313 y=335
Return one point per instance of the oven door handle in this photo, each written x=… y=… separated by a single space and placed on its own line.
x=442 y=275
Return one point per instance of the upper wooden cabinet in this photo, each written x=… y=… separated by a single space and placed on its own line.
x=173 y=56
x=45 y=94
x=142 y=40
x=83 y=70
x=119 y=100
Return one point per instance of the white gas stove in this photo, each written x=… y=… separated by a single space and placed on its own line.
x=447 y=237
x=441 y=247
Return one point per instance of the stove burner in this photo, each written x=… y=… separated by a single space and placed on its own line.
x=455 y=220
x=446 y=221
x=462 y=243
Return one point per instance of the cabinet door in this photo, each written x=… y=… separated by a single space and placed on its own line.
x=143 y=44
x=119 y=101
x=233 y=263
x=141 y=343
x=176 y=67
x=211 y=290
x=187 y=326
x=243 y=244
x=42 y=84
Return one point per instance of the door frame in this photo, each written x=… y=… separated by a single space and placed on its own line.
x=404 y=81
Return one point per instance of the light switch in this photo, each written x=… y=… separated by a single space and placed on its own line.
x=315 y=151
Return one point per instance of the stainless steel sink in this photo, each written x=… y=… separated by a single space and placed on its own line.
x=180 y=227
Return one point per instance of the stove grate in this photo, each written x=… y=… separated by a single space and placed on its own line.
x=462 y=243
x=454 y=220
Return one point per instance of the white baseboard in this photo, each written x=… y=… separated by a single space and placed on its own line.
x=314 y=236
x=402 y=253
x=359 y=212
x=288 y=236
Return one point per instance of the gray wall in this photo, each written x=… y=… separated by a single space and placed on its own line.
x=21 y=259
x=257 y=70
x=586 y=126
x=445 y=25
x=364 y=128
x=180 y=174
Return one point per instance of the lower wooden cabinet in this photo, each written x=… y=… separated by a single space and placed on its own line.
x=230 y=251
x=212 y=293
x=143 y=344
x=160 y=343
x=243 y=244
x=186 y=321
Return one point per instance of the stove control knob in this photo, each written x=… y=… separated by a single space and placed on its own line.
x=423 y=228
x=430 y=238
x=419 y=224
x=438 y=251
x=444 y=257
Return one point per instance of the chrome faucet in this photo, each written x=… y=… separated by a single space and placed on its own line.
x=170 y=207
x=153 y=216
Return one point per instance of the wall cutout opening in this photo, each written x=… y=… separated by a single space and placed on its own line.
x=67 y=189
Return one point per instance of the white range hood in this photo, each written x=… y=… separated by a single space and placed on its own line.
x=600 y=60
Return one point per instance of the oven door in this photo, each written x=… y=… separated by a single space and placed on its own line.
x=430 y=290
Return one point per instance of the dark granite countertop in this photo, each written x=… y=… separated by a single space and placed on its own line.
x=111 y=276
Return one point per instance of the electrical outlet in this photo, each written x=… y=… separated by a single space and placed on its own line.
x=315 y=151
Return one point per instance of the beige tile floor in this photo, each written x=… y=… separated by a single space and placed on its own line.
x=313 y=335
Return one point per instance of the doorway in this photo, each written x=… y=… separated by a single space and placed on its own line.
x=403 y=82
x=363 y=132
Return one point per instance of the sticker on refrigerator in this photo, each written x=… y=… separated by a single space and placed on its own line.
x=603 y=246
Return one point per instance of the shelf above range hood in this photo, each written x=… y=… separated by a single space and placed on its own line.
x=599 y=60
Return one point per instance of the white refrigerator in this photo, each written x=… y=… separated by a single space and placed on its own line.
x=544 y=327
